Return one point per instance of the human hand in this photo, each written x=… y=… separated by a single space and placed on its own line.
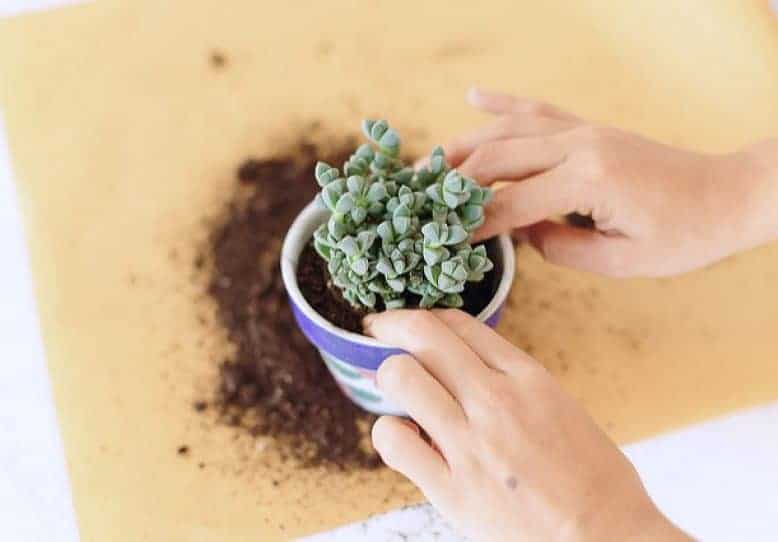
x=658 y=210
x=515 y=458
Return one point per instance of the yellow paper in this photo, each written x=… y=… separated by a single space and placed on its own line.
x=124 y=137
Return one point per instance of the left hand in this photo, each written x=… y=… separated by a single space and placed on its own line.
x=514 y=457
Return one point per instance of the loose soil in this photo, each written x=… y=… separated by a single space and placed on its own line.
x=276 y=385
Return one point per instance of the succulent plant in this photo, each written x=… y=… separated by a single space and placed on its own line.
x=393 y=232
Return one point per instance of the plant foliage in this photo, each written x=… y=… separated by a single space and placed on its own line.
x=393 y=231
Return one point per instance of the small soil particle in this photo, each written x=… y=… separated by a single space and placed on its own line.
x=218 y=59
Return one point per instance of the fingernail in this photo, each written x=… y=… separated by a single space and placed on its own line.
x=473 y=93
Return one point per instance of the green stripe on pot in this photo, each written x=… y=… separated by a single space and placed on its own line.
x=339 y=367
x=364 y=395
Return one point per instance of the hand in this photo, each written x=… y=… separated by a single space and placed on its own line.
x=514 y=457
x=658 y=210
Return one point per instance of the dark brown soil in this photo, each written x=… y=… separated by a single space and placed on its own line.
x=313 y=278
x=276 y=385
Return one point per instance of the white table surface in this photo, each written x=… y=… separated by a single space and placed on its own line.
x=718 y=480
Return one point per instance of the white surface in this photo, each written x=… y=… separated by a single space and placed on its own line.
x=34 y=496
x=15 y=7
x=718 y=480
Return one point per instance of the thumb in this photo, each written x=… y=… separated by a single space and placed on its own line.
x=587 y=250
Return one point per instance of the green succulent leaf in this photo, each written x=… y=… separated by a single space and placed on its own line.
x=349 y=246
x=401 y=219
x=344 y=204
x=404 y=176
x=376 y=193
x=437 y=162
x=336 y=227
x=358 y=215
x=323 y=250
x=365 y=240
x=390 y=142
x=433 y=256
x=453 y=301
x=394 y=303
x=325 y=173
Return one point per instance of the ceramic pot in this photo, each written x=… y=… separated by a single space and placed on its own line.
x=353 y=358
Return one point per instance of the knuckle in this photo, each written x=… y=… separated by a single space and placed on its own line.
x=486 y=152
x=531 y=107
x=419 y=319
x=455 y=316
x=496 y=401
x=593 y=162
x=588 y=133
x=506 y=121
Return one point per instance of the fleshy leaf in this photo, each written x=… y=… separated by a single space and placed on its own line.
x=358 y=215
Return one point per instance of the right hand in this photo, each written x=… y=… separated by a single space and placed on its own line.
x=514 y=456
x=657 y=210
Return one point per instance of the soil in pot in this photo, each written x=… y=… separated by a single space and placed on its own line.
x=313 y=278
x=275 y=384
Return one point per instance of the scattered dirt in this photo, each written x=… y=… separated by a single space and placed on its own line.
x=276 y=385
x=218 y=59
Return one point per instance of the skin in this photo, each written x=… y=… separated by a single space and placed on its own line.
x=541 y=469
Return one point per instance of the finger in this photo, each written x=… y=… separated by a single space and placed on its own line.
x=498 y=353
x=403 y=449
x=587 y=250
x=500 y=103
x=515 y=159
x=509 y=126
x=433 y=344
x=412 y=388
x=555 y=192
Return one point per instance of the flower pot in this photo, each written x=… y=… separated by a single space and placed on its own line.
x=353 y=358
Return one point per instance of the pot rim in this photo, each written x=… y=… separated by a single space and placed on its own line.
x=300 y=233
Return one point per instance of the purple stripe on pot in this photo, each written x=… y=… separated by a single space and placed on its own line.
x=495 y=317
x=359 y=355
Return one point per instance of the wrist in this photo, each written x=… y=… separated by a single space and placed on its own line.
x=757 y=175
x=655 y=526
x=636 y=522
